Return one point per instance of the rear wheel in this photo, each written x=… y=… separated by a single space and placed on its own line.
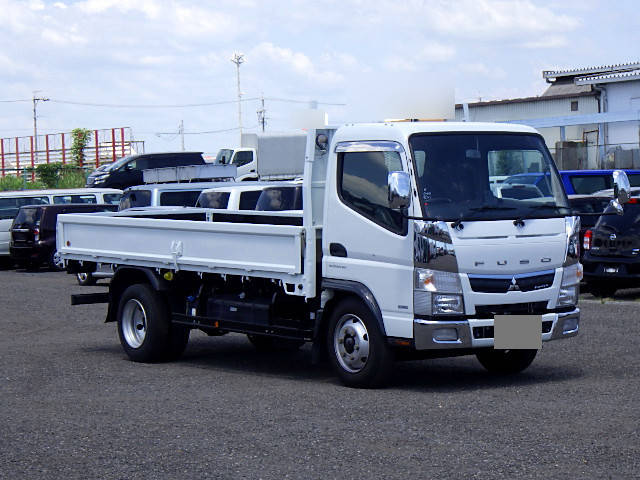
x=56 y=262
x=144 y=326
x=357 y=349
x=506 y=362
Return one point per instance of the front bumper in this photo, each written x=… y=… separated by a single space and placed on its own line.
x=478 y=333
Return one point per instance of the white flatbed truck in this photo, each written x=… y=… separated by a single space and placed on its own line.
x=401 y=251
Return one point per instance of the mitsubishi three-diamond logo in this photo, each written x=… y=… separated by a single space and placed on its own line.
x=514 y=285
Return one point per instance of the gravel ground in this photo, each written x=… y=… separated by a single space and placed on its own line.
x=73 y=406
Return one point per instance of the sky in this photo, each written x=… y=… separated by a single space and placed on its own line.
x=118 y=63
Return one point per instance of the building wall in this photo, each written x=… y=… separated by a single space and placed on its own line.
x=501 y=112
x=623 y=97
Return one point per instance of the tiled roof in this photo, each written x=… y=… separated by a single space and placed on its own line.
x=603 y=70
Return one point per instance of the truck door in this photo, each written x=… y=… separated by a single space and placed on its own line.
x=364 y=240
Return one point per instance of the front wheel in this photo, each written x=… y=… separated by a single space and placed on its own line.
x=357 y=348
x=144 y=326
x=506 y=362
x=85 y=279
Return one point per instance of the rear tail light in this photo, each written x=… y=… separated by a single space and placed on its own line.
x=634 y=200
x=36 y=233
x=586 y=240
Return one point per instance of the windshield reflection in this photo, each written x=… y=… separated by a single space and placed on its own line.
x=486 y=176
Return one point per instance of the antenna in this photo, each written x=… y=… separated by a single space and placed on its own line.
x=238 y=59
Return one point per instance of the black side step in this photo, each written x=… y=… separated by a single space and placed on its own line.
x=89 y=298
x=242 y=327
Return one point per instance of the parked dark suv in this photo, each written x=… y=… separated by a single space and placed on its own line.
x=587 y=206
x=33 y=233
x=127 y=171
x=612 y=250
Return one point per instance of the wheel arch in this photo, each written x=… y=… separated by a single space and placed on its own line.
x=346 y=288
x=123 y=278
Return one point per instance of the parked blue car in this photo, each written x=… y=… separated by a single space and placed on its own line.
x=583 y=182
x=586 y=182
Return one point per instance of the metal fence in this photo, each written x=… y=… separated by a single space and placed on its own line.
x=104 y=146
x=590 y=155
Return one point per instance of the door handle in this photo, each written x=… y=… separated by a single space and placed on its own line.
x=337 y=250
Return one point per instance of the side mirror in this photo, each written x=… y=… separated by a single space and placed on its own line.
x=399 y=190
x=621 y=186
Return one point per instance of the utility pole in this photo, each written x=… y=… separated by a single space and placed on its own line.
x=181 y=132
x=238 y=59
x=35 y=123
x=262 y=119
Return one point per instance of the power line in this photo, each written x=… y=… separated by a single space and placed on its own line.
x=186 y=105
x=197 y=133
x=288 y=100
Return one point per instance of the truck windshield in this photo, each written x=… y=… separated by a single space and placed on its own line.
x=457 y=177
x=224 y=155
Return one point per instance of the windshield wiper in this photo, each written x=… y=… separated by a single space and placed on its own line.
x=486 y=208
x=519 y=222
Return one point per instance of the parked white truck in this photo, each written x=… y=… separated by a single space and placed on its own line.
x=401 y=251
x=267 y=156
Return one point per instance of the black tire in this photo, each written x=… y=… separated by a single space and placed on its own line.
x=144 y=326
x=55 y=263
x=358 y=351
x=264 y=343
x=85 y=279
x=506 y=362
x=602 y=289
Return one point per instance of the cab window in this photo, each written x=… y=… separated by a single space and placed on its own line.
x=111 y=198
x=135 y=198
x=242 y=158
x=363 y=186
x=179 y=199
x=61 y=199
x=249 y=200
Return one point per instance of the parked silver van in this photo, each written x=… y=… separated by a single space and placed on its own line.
x=10 y=203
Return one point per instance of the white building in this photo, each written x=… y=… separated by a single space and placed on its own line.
x=590 y=117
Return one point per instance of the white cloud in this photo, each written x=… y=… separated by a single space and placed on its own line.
x=296 y=62
x=494 y=72
x=200 y=21
x=36 y=5
x=61 y=37
x=151 y=8
x=436 y=52
x=60 y=5
x=551 y=41
x=492 y=19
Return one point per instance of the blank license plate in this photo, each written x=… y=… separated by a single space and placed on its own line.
x=517 y=332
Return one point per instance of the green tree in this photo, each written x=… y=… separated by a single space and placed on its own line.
x=57 y=175
x=81 y=137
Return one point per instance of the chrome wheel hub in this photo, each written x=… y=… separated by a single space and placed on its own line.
x=134 y=323
x=351 y=343
x=57 y=261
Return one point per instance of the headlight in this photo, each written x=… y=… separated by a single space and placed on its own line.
x=570 y=287
x=572 y=226
x=437 y=293
x=568 y=296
